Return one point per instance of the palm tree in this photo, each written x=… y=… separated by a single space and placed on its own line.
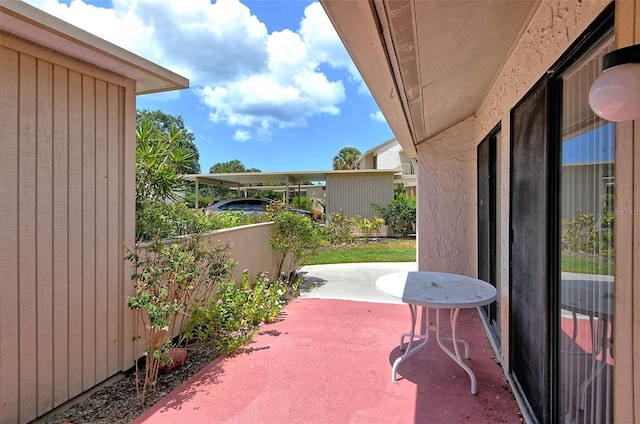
x=160 y=156
x=346 y=158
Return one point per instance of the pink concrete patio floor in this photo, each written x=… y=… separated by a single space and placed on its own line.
x=329 y=361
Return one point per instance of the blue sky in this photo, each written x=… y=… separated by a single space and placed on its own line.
x=270 y=82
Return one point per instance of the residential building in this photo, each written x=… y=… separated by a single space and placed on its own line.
x=490 y=99
x=389 y=155
x=67 y=173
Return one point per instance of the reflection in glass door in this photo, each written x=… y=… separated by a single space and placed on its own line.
x=587 y=278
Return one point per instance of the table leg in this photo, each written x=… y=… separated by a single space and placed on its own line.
x=453 y=315
x=599 y=339
x=410 y=350
x=424 y=334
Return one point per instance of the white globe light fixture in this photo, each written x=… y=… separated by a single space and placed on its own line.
x=615 y=95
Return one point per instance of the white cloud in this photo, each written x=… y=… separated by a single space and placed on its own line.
x=319 y=35
x=119 y=26
x=247 y=77
x=241 y=136
x=378 y=116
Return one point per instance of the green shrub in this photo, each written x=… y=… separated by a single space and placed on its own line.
x=157 y=219
x=235 y=219
x=606 y=226
x=162 y=220
x=294 y=237
x=367 y=227
x=339 y=230
x=400 y=214
x=203 y=199
x=302 y=202
x=171 y=281
x=235 y=313
x=582 y=234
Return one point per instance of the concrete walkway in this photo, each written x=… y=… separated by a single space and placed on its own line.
x=349 y=281
x=328 y=360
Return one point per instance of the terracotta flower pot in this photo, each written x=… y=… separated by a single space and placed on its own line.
x=178 y=358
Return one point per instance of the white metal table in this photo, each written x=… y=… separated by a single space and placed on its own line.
x=435 y=290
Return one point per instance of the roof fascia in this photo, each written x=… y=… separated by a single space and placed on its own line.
x=239 y=178
x=36 y=26
x=361 y=31
x=376 y=148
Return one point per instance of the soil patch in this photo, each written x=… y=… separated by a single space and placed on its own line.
x=118 y=402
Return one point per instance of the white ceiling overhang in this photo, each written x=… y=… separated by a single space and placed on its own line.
x=34 y=25
x=428 y=64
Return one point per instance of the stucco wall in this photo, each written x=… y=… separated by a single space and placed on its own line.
x=553 y=28
x=447 y=201
x=389 y=156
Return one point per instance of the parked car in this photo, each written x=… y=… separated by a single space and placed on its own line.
x=248 y=205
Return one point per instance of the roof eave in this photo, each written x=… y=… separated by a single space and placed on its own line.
x=34 y=25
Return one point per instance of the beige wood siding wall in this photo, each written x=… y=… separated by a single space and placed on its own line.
x=355 y=193
x=62 y=223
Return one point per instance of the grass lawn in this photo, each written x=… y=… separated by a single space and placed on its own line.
x=586 y=264
x=386 y=250
x=404 y=250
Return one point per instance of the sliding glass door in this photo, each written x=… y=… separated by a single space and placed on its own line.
x=561 y=279
x=531 y=273
x=587 y=257
x=487 y=224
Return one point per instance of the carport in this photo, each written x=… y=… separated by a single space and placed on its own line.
x=352 y=191
x=245 y=182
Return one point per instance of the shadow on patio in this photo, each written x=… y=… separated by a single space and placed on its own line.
x=329 y=361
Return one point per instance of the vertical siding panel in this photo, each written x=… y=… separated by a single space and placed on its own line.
x=101 y=221
x=60 y=236
x=74 y=294
x=354 y=194
x=67 y=170
x=9 y=317
x=44 y=235
x=127 y=199
x=88 y=233
x=27 y=235
x=114 y=234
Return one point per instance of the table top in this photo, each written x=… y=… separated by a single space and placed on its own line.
x=587 y=296
x=437 y=289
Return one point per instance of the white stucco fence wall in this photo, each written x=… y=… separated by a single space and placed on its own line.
x=248 y=247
